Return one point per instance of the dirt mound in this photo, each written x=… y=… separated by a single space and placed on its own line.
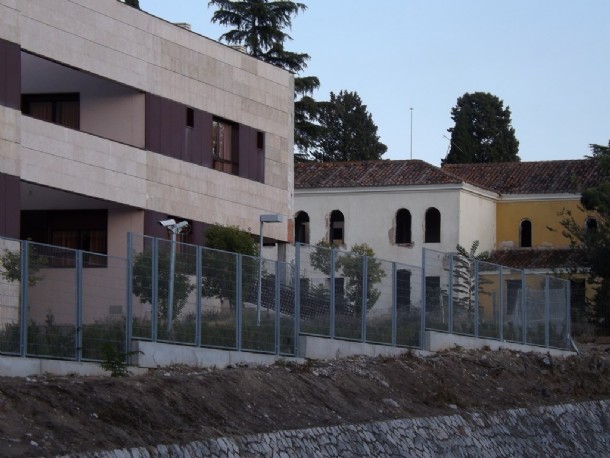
x=45 y=416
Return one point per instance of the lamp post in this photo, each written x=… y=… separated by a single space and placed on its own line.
x=273 y=218
x=411 y=132
x=175 y=229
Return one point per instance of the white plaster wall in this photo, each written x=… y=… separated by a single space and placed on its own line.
x=477 y=219
x=370 y=213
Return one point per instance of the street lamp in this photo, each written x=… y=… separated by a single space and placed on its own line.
x=273 y=218
x=175 y=229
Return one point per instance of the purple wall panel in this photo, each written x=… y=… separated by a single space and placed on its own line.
x=10 y=74
x=10 y=205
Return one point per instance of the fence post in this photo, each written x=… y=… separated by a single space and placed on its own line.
x=523 y=307
x=79 y=304
x=332 y=304
x=277 y=307
x=297 y=297
x=394 y=304
x=23 y=306
x=128 y=299
x=198 y=292
x=450 y=296
x=501 y=318
x=476 y=298
x=422 y=324
x=155 y=289
x=238 y=304
x=568 y=307
x=547 y=311
x=365 y=279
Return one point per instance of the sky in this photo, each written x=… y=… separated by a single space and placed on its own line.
x=547 y=60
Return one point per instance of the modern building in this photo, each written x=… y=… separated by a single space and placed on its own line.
x=112 y=119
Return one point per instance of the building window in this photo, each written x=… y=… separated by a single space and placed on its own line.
x=190 y=117
x=403 y=289
x=525 y=234
x=224 y=148
x=403 y=226
x=590 y=225
x=62 y=109
x=433 y=226
x=260 y=140
x=337 y=226
x=301 y=228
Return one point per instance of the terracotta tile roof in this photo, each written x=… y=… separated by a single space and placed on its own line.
x=369 y=173
x=543 y=177
x=535 y=259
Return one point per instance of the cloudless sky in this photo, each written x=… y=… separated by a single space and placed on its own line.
x=548 y=60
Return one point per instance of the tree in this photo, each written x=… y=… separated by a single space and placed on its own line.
x=219 y=262
x=482 y=131
x=464 y=275
x=259 y=27
x=591 y=244
x=348 y=131
x=350 y=266
x=134 y=3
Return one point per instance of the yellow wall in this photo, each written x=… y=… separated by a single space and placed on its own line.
x=541 y=214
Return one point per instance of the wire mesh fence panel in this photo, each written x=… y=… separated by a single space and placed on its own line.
x=463 y=294
x=258 y=318
x=315 y=279
x=52 y=302
x=286 y=345
x=10 y=295
x=104 y=308
x=348 y=294
x=380 y=301
x=558 y=314
x=408 y=305
x=513 y=310
x=535 y=300
x=489 y=300
x=219 y=299
x=143 y=290
x=436 y=287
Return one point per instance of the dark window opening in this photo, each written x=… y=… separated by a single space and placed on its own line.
x=433 y=226
x=301 y=228
x=337 y=226
x=62 y=109
x=76 y=229
x=190 y=117
x=433 y=293
x=590 y=225
x=403 y=226
x=224 y=147
x=513 y=290
x=403 y=289
x=260 y=140
x=525 y=234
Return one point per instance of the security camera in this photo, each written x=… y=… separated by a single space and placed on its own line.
x=168 y=222
x=181 y=225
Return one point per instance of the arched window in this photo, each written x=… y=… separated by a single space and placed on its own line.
x=590 y=225
x=525 y=234
x=337 y=226
x=301 y=228
x=433 y=226
x=403 y=226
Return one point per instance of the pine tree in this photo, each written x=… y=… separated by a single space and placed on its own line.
x=482 y=131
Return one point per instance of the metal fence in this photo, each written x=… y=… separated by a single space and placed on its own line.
x=476 y=298
x=62 y=303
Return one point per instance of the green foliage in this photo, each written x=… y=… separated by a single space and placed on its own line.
x=482 y=131
x=142 y=280
x=115 y=361
x=133 y=3
x=219 y=267
x=592 y=246
x=11 y=265
x=259 y=26
x=348 y=132
x=350 y=266
x=464 y=275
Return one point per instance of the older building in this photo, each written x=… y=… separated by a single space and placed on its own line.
x=112 y=119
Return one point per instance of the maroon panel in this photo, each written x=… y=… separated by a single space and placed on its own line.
x=206 y=139
x=10 y=74
x=153 y=123
x=152 y=227
x=249 y=155
x=10 y=205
